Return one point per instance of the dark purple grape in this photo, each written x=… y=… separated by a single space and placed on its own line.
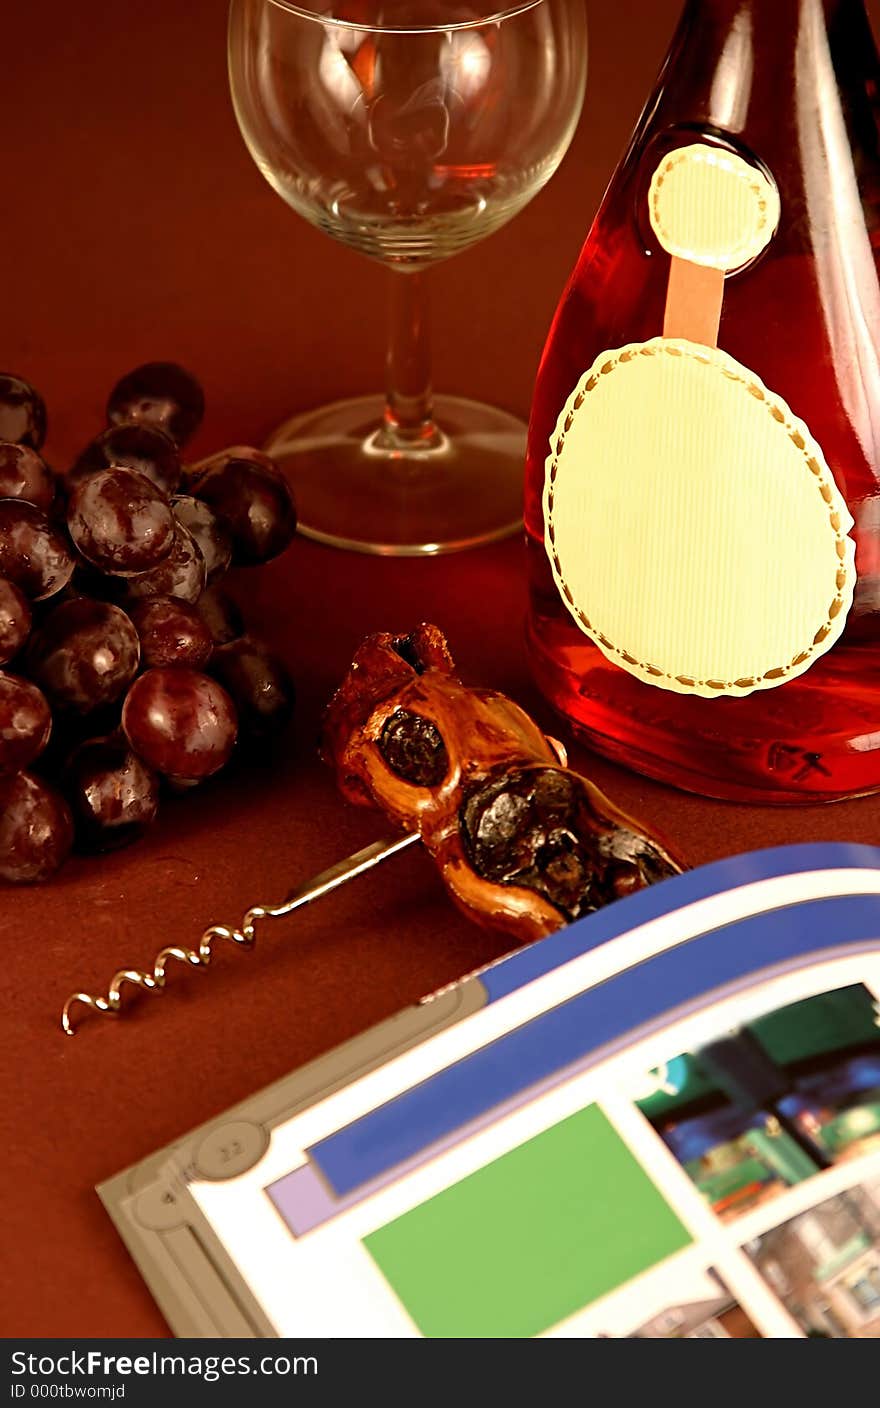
x=113 y=795
x=159 y=394
x=22 y=412
x=193 y=472
x=57 y=513
x=120 y=522
x=70 y=731
x=180 y=722
x=221 y=615
x=36 y=830
x=256 y=505
x=182 y=573
x=25 y=475
x=25 y=723
x=90 y=581
x=176 y=786
x=172 y=633
x=212 y=536
x=140 y=447
x=34 y=556
x=261 y=689
x=15 y=620
x=84 y=654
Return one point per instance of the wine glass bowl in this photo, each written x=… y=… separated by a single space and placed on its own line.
x=406 y=144
x=407 y=130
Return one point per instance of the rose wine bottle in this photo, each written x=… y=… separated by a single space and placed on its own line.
x=703 y=482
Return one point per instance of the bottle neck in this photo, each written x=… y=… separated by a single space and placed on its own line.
x=775 y=17
x=736 y=59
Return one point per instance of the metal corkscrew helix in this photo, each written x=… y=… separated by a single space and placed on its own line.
x=245 y=936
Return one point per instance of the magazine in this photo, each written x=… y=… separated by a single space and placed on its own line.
x=662 y=1122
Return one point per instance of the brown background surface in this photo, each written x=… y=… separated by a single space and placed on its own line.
x=136 y=227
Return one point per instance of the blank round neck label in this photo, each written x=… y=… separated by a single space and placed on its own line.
x=694 y=528
x=710 y=207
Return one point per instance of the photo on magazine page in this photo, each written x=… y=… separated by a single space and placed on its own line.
x=775 y=1100
x=692 y=1303
x=825 y=1264
x=764 y=1135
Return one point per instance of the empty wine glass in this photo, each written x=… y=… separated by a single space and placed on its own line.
x=408 y=130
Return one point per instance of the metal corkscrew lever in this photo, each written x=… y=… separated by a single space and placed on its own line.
x=245 y=936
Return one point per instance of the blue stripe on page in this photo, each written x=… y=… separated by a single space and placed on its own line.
x=607 y=1016
x=521 y=968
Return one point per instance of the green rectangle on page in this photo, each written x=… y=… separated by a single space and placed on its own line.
x=529 y=1239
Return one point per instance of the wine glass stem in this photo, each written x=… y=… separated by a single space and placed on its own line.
x=409 y=400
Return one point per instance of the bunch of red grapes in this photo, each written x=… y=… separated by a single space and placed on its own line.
x=124 y=670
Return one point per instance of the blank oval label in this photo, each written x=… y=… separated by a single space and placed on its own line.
x=695 y=530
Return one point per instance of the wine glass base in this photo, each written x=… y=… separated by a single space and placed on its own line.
x=354 y=490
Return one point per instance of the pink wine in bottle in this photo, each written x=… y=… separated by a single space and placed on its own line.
x=703 y=482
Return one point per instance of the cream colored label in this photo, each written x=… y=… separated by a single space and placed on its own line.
x=712 y=208
x=694 y=527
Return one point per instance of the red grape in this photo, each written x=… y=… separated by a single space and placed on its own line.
x=171 y=633
x=25 y=475
x=25 y=723
x=209 y=532
x=159 y=394
x=22 y=412
x=221 y=615
x=260 y=686
x=120 y=522
x=34 y=555
x=36 y=830
x=15 y=620
x=130 y=445
x=181 y=574
x=84 y=654
x=255 y=503
x=180 y=722
x=113 y=795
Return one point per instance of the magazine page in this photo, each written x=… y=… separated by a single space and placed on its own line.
x=662 y=1123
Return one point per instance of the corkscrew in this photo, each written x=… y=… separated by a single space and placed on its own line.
x=244 y=937
x=607 y=854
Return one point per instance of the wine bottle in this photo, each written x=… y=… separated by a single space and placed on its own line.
x=703 y=479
